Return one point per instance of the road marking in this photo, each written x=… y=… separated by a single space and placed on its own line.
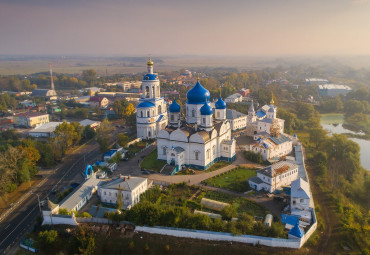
x=7 y=226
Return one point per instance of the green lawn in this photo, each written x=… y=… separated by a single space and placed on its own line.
x=150 y=162
x=236 y=179
x=242 y=204
x=217 y=165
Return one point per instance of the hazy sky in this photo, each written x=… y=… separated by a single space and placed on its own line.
x=174 y=27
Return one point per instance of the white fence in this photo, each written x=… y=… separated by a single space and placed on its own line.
x=219 y=236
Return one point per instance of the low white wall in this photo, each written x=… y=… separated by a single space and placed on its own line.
x=59 y=219
x=207 y=235
x=134 y=141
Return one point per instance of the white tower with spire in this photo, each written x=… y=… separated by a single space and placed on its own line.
x=151 y=112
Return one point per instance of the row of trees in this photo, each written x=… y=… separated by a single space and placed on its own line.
x=20 y=158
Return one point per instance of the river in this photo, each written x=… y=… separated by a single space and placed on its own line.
x=333 y=124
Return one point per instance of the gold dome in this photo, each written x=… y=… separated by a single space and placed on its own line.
x=150 y=62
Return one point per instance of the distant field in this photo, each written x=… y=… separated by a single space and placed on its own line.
x=117 y=65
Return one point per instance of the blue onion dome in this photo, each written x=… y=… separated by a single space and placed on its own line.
x=175 y=107
x=206 y=109
x=272 y=109
x=145 y=104
x=150 y=77
x=198 y=94
x=220 y=104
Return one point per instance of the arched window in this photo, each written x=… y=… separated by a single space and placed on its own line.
x=208 y=153
x=148 y=114
x=146 y=91
x=196 y=155
x=214 y=150
x=164 y=150
x=204 y=120
x=149 y=134
x=172 y=117
x=153 y=92
x=141 y=113
x=218 y=114
x=193 y=113
x=159 y=109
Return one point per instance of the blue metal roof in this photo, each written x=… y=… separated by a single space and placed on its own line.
x=220 y=104
x=175 y=107
x=296 y=231
x=289 y=219
x=279 y=140
x=145 y=104
x=110 y=153
x=150 y=77
x=198 y=94
x=206 y=109
x=260 y=114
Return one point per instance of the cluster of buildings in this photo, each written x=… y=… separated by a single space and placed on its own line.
x=327 y=89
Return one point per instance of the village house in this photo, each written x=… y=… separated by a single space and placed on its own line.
x=129 y=188
x=99 y=101
x=30 y=119
x=274 y=177
x=234 y=98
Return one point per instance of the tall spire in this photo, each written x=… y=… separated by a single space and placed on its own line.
x=251 y=107
x=150 y=65
x=197 y=76
x=51 y=77
x=272 y=99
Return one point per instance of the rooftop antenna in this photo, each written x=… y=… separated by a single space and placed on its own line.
x=51 y=77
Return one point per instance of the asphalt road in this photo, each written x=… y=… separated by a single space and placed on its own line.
x=17 y=222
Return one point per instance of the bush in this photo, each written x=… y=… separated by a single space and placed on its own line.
x=63 y=211
x=10 y=187
x=47 y=238
x=254 y=157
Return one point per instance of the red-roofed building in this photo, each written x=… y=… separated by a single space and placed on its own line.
x=244 y=92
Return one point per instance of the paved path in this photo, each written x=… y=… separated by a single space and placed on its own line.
x=198 y=178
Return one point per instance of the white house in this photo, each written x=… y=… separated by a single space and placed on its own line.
x=300 y=195
x=234 y=98
x=130 y=189
x=274 y=177
x=199 y=140
x=92 y=123
x=272 y=147
x=237 y=120
x=45 y=130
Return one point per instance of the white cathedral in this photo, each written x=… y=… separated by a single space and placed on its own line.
x=200 y=139
x=151 y=112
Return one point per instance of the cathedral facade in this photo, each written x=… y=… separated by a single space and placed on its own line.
x=199 y=139
x=151 y=112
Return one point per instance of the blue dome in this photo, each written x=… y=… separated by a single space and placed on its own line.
x=220 y=104
x=145 y=104
x=272 y=109
x=198 y=94
x=175 y=107
x=150 y=77
x=206 y=109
